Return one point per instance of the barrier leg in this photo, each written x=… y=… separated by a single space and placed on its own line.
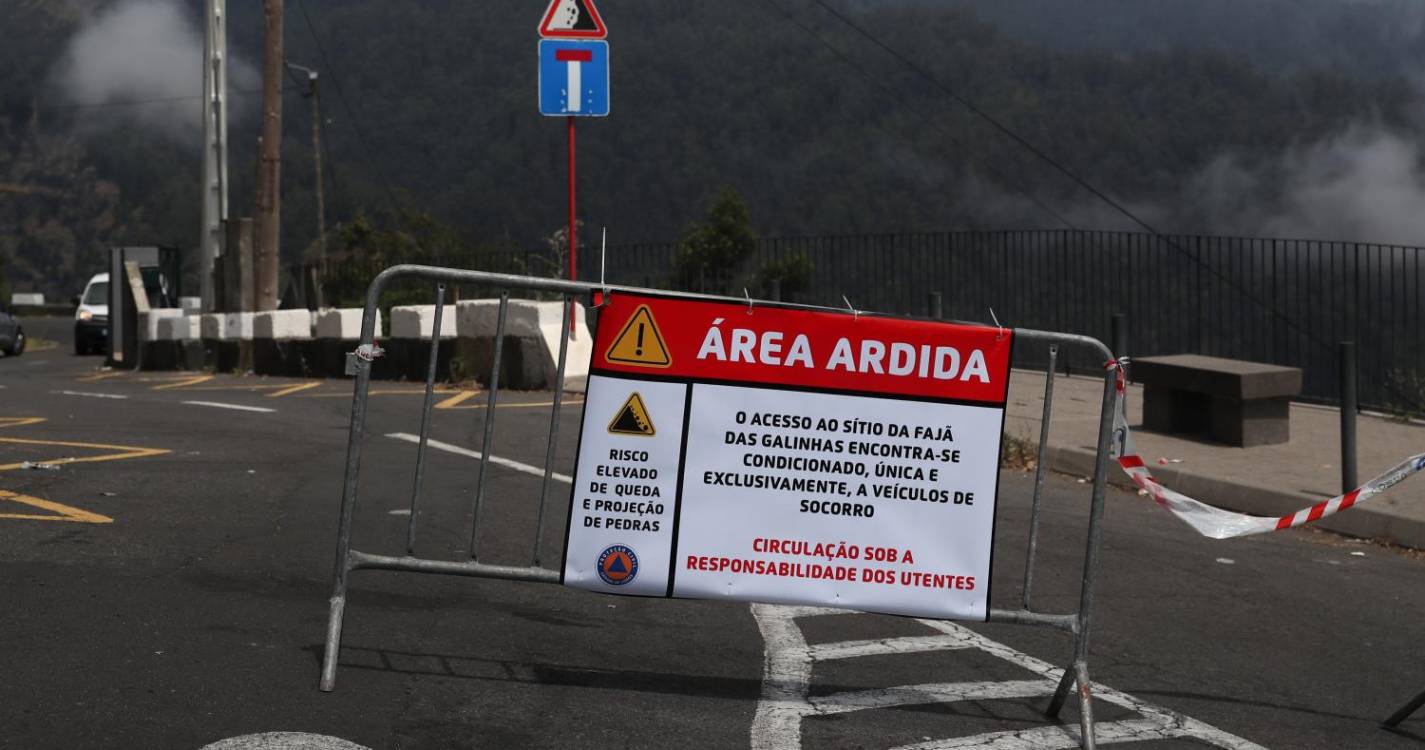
x=335 y=617
x=1086 y=736
x=349 y=489
x=1405 y=711
x=1079 y=670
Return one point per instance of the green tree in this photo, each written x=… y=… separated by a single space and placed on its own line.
x=713 y=251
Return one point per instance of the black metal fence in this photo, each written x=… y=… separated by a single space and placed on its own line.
x=1285 y=302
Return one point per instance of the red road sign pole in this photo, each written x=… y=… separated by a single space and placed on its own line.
x=573 y=234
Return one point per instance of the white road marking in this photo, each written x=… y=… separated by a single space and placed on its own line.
x=786 y=698
x=90 y=395
x=457 y=450
x=237 y=407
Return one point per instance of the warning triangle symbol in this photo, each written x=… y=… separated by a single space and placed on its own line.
x=573 y=19
x=632 y=419
x=640 y=342
x=617 y=565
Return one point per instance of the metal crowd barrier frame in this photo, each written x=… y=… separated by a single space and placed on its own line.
x=349 y=559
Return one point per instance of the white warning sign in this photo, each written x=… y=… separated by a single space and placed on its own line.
x=790 y=456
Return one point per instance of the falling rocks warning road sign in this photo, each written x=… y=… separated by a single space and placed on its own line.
x=801 y=456
x=572 y=19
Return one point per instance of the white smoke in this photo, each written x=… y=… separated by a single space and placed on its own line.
x=1366 y=184
x=145 y=58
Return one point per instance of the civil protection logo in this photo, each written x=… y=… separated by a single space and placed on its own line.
x=618 y=565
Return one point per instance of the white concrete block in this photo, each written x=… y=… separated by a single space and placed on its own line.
x=148 y=322
x=238 y=326
x=342 y=323
x=19 y=298
x=282 y=325
x=542 y=321
x=416 y=321
x=191 y=304
x=179 y=328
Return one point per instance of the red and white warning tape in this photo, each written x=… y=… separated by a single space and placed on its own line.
x=1224 y=524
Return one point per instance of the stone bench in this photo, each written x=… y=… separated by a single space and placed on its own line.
x=1228 y=400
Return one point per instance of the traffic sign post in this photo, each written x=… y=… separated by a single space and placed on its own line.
x=573 y=80
x=789 y=456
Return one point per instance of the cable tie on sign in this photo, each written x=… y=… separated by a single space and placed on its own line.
x=1000 y=335
x=370 y=352
x=854 y=312
x=748 y=297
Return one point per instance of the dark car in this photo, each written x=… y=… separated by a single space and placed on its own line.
x=12 y=334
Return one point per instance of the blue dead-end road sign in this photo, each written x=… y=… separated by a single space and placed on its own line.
x=573 y=78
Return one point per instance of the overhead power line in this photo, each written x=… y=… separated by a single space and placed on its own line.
x=937 y=127
x=332 y=74
x=1089 y=187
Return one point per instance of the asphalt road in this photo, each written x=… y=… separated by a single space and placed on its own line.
x=174 y=594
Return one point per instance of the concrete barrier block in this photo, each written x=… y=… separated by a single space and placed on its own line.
x=238 y=326
x=282 y=325
x=531 y=346
x=475 y=318
x=148 y=322
x=191 y=305
x=342 y=323
x=179 y=328
x=416 y=321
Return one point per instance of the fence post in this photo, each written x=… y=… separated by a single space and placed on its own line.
x=1118 y=338
x=935 y=310
x=1348 y=415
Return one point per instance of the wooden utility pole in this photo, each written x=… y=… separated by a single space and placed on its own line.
x=269 y=162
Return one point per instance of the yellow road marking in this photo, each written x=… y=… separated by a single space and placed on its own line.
x=65 y=512
x=125 y=451
x=294 y=389
x=101 y=376
x=261 y=387
x=183 y=383
x=526 y=405
x=19 y=421
x=380 y=392
x=458 y=398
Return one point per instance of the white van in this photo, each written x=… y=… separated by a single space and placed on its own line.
x=91 y=317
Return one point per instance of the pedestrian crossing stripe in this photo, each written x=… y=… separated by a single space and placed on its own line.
x=632 y=419
x=640 y=342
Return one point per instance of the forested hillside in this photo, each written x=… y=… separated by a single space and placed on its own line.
x=431 y=105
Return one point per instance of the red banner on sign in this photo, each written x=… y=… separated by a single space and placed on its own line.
x=824 y=350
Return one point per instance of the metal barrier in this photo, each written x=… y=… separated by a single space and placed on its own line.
x=349 y=559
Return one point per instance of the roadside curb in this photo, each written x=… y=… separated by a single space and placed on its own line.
x=1363 y=521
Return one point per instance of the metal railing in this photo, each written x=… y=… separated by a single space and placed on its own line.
x=1286 y=302
x=438 y=280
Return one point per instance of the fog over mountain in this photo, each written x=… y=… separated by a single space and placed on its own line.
x=1268 y=117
